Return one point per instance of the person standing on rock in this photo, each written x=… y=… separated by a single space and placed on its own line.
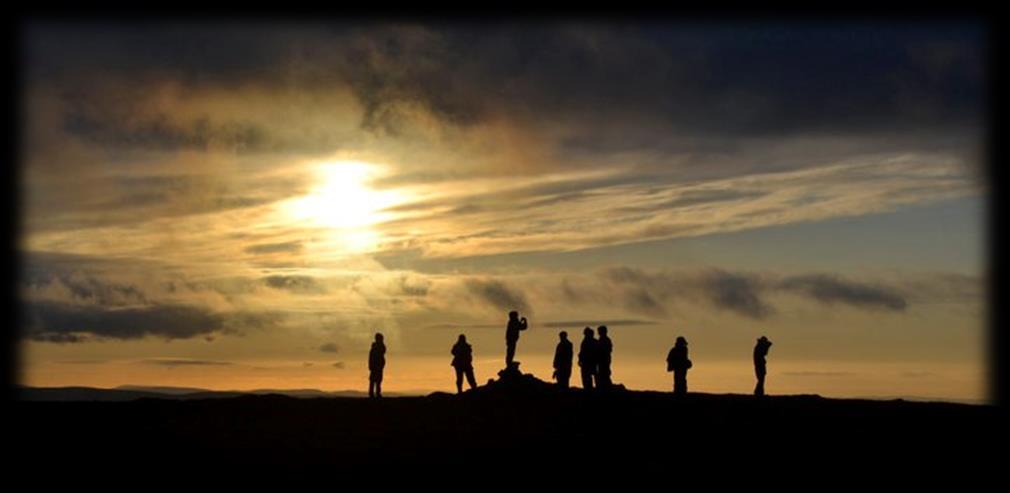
x=603 y=350
x=587 y=358
x=563 y=360
x=678 y=363
x=760 y=369
x=376 y=363
x=462 y=361
x=515 y=325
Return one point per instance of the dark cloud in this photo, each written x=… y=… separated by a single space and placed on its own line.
x=61 y=322
x=744 y=293
x=295 y=284
x=75 y=274
x=831 y=289
x=329 y=347
x=185 y=362
x=285 y=247
x=688 y=79
x=641 y=300
x=737 y=292
x=338 y=365
x=499 y=295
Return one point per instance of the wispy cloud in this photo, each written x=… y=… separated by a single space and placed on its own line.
x=184 y=362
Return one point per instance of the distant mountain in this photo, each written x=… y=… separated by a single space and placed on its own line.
x=133 y=392
x=163 y=390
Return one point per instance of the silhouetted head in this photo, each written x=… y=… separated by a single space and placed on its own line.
x=588 y=332
x=763 y=340
x=462 y=338
x=378 y=337
x=681 y=341
x=563 y=335
x=513 y=315
x=602 y=330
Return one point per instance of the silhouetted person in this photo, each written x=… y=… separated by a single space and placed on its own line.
x=376 y=363
x=587 y=358
x=678 y=363
x=563 y=360
x=760 y=351
x=462 y=361
x=515 y=325
x=603 y=349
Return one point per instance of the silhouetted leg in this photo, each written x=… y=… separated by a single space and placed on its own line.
x=459 y=381
x=510 y=352
x=680 y=382
x=587 y=379
x=603 y=378
x=378 y=387
x=371 y=388
x=470 y=378
x=563 y=377
x=760 y=389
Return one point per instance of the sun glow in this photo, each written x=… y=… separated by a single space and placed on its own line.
x=344 y=202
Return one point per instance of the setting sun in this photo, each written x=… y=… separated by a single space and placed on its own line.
x=342 y=198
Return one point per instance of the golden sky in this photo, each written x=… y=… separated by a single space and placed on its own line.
x=242 y=206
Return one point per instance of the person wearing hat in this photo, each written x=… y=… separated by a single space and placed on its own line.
x=760 y=351
x=678 y=363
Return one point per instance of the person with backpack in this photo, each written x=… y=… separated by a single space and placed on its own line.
x=462 y=361
x=678 y=362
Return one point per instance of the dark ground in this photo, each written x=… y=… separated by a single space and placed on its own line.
x=512 y=424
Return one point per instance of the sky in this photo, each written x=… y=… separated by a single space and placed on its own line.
x=244 y=205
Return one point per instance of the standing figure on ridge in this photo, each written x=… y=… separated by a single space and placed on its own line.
x=563 y=360
x=462 y=361
x=760 y=351
x=678 y=363
x=515 y=325
x=603 y=349
x=587 y=358
x=376 y=363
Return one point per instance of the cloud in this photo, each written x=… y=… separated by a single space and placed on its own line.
x=185 y=362
x=60 y=322
x=746 y=293
x=563 y=324
x=499 y=295
x=831 y=289
x=736 y=292
x=294 y=283
x=329 y=347
x=338 y=365
x=265 y=248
